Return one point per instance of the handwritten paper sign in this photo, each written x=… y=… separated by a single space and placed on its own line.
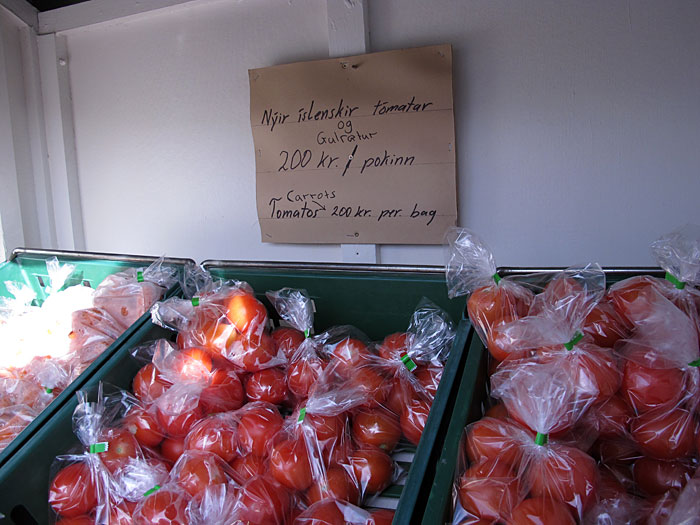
x=357 y=149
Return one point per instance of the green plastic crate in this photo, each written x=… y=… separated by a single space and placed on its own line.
x=378 y=300
x=471 y=397
x=29 y=267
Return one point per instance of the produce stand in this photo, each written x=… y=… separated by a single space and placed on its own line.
x=377 y=300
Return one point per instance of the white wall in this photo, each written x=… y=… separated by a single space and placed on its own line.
x=577 y=123
x=20 y=221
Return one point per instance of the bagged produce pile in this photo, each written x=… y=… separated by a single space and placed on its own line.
x=253 y=424
x=44 y=348
x=594 y=392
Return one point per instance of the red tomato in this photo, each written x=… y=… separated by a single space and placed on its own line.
x=327 y=428
x=179 y=425
x=610 y=487
x=73 y=491
x=246 y=313
x=381 y=517
x=214 y=434
x=497 y=411
x=541 y=511
x=290 y=464
x=565 y=474
x=121 y=514
x=350 y=354
x=655 y=477
x=248 y=467
x=593 y=369
x=501 y=340
x=488 y=490
x=258 y=425
x=396 y=399
x=370 y=384
x=490 y=304
x=611 y=419
x=144 y=427
x=633 y=298
x=224 y=393
x=287 y=340
x=373 y=469
x=163 y=507
x=303 y=374
x=337 y=452
x=338 y=485
x=122 y=446
x=267 y=385
x=605 y=325
x=394 y=346
x=209 y=330
x=413 y=419
x=620 y=450
x=564 y=294
x=429 y=379
x=376 y=427
x=172 y=448
x=197 y=470
x=253 y=354
x=658 y=509
x=262 y=501
x=665 y=434
x=326 y=512
x=645 y=388
x=149 y=384
x=194 y=364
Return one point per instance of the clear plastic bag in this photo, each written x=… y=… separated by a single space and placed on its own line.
x=295 y=307
x=128 y=294
x=14 y=419
x=333 y=512
x=215 y=506
x=471 y=270
x=678 y=252
x=228 y=321
x=540 y=395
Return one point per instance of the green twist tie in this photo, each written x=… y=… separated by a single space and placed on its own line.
x=410 y=364
x=149 y=492
x=302 y=415
x=575 y=339
x=694 y=363
x=96 y=448
x=496 y=278
x=195 y=301
x=676 y=282
x=49 y=390
x=306 y=333
x=139 y=276
x=541 y=439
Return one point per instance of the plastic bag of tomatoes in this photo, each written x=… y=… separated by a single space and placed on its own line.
x=471 y=270
x=109 y=473
x=227 y=320
x=413 y=362
x=127 y=295
x=304 y=361
x=678 y=253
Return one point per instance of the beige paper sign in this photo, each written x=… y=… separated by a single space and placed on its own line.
x=356 y=150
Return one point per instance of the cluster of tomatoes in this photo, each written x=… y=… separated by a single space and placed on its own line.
x=239 y=424
x=595 y=402
x=118 y=301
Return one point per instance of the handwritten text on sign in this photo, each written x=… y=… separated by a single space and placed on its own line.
x=357 y=149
